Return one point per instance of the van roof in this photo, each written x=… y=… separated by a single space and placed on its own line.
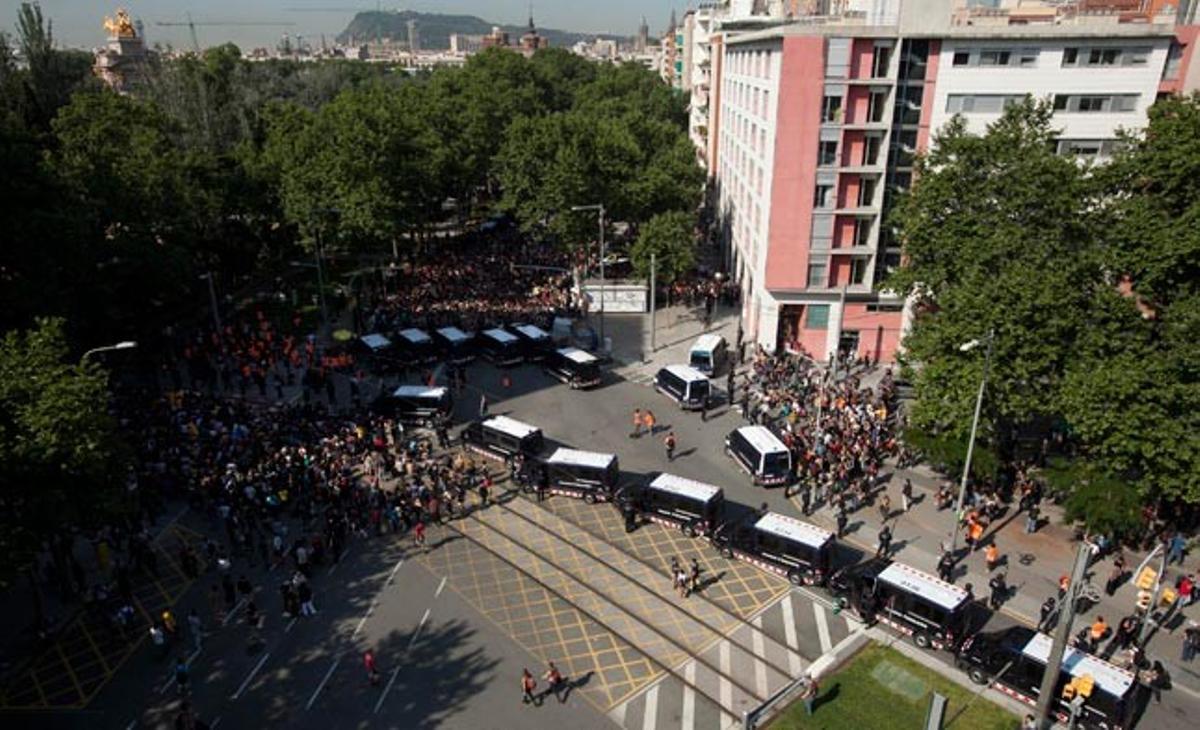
x=793 y=529
x=453 y=334
x=706 y=343
x=419 y=391
x=574 y=354
x=932 y=589
x=532 y=332
x=500 y=335
x=511 y=426
x=582 y=458
x=376 y=341
x=685 y=487
x=412 y=334
x=762 y=439
x=686 y=372
x=1110 y=678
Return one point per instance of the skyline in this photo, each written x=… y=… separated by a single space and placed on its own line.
x=77 y=23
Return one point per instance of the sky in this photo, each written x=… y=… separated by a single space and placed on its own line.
x=77 y=23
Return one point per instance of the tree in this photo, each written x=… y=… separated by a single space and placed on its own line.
x=998 y=235
x=671 y=237
x=61 y=463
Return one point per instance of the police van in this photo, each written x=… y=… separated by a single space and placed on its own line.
x=415 y=346
x=708 y=354
x=576 y=368
x=419 y=404
x=673 y=501
x=536 y=342
x=588 y=475
x=501 y=437
x=779 y=544
x=760 y=453
x=377 y=350
x=930 y=610
x=457 y=346
x=501 y=347
x=684 y=385
x=1014 y=661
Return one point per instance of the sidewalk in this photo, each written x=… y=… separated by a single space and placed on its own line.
x=1033 y=563
x=677 y=328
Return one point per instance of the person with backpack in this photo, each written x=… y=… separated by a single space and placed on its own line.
x=669 y=444
x=556 y=683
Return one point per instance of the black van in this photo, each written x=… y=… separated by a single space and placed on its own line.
x=708 y=354
x=673 y=501
x=501 y=437
x=415 y=346
x=1110 y=705
x=419 y=404
x=783 y=545
x=536 y=343
x=761 y=454
x=930 y=610
x=457 y=346
x=591 y=476
x=501 y=347
x=684 y=385
x=575 y=367
x=378 y=352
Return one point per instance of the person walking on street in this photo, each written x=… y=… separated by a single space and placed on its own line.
x=885 y=508
x=945 y=567
x=419 y=534
x=906 y=494
x=1175 y=548
x=1046 y=620
x=182 y=676
x=196 y=629
x=528 y=685
x=841 y=521
x=483 y=405
x=1029 y=723
x=991 y=555
x=885 y=541
x=669 y=443
x=651 y=422
x=306 y=600
x=704 y=410
x=999 y=591
x=1032 y=515
x=557 y=684
x=372 y=669
x=637 y=423
x=1191 y=642
x=694 y=576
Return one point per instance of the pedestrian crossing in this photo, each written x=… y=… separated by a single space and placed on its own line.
x=806 y=628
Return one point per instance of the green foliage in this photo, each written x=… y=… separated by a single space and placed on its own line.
x=949 y=453
x=1103 y=503
x=671 y=238
x=60 y=461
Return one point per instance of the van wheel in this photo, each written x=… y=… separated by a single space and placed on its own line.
x=978 y=676
x=922 y=640
x=810 y=579
x=589 y=498
x=689 y=530
x=795 y=578
x=727 y=553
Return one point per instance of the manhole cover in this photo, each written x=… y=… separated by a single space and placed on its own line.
x=900 y=680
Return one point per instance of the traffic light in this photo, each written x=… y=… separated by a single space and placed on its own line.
x=1084 y=685
x=1143 y=600
x=1146 y=578
x=1167 y=597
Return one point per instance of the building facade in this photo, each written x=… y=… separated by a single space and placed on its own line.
x=814 y=127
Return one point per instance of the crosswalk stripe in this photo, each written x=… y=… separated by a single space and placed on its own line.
x=650 y=718
x=822 y=627
x=687 y=720
x=618 y=713
x=789 y=635
x=760 y=669
x=726 y=686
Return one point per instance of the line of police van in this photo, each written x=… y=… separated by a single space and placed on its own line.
x=933 y=613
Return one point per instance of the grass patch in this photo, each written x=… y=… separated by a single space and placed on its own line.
x=882 y=688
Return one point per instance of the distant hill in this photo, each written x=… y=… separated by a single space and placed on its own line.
x=434 y=29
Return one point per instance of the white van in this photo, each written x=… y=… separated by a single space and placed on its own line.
x=708 y=354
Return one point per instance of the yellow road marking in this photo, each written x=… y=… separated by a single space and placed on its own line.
x=70 y=672
x=88 y=634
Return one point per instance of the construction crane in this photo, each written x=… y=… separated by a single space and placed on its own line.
x=378 y=8
x=192 y=25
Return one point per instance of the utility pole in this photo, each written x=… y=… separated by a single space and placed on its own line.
x=841 y=323
x=962 y=488
x=321 y=285
x=653 y=328
x=603 y=254
x=1058 y=648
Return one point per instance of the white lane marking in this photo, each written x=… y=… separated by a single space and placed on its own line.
x=321 y=686
x=726 y=685
x=822 y=628
x=687 y=719
x=363 y=620
x=789 y=623
x=213 y=725
x=441 y=585
x=341 y=560
x=417 y=633
x=617 y=714
x=233 y=612
x=171 y=682
x=132 y=724
x=290 y=624
x=650 y=718
x=250 y=676
x=395 y=567
x=727 y=721
x=387 y=689
x=760 y=668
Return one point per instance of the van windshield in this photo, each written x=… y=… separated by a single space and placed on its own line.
x=701 y=359
x=699 y=389
x=776 y=463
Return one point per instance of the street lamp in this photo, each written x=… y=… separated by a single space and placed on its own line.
x=599 y=208
x=962 y=489
x=126 y=345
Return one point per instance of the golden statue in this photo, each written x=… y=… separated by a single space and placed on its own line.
x=120 y=26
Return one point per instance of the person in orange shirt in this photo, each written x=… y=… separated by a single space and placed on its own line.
x=991 y=554
x=1097 y=632
x=651 y=423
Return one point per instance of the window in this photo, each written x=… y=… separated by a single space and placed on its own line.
x=1103 y=57
x=818 y=273
x=837 y=58
x=866 y=191
x=994 y=57
x=1087 y=147
x=858 y=269
x=823 y=196
x=862 y=232
x=876 y=103
x=962 y=58
x=816 y=315
x=1070 y=56
x=827 y=154
x=980 y=103
x=871 y=149
x=1174 y=59
x=1136 y=57
x=1095 y=103
x=1027 y=57
x=879 y=64
x=831 y=109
